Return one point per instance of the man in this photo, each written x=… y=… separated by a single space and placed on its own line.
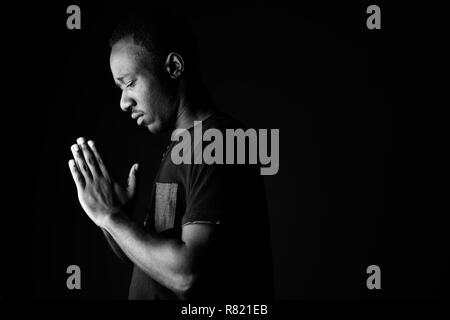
x=207 y=235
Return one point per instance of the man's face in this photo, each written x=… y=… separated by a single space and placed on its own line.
x=145 y=93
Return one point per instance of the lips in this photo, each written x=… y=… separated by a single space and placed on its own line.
x=136 y=115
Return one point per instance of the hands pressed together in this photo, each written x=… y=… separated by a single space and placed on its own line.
x=99 y=195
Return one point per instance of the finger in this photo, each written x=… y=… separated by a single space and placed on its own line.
x=89 y=157
x=76 y=175
x=100 y=162
x=132 y=177
x=81 y=164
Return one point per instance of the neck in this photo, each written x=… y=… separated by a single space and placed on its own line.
x=194 y=105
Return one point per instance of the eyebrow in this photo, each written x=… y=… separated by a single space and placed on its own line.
x=120 y=79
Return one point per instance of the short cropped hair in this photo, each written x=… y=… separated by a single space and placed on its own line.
x=160 y=32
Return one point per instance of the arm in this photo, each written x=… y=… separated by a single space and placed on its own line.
x=171 y=262
x=116 y=248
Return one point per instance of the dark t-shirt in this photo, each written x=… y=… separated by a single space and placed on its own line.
x=231 y=197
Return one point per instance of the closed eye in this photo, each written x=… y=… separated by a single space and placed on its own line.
x=130 y=84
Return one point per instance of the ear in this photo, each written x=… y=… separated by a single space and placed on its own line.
x=174 y=65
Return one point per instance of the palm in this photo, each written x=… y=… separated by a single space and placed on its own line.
x=126 y=196
x=122 y=194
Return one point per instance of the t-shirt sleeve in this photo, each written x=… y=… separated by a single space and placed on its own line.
x=210 y=194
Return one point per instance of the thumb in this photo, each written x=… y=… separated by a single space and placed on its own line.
x=132 y=180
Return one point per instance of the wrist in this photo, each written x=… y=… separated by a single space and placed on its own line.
x=110 y=220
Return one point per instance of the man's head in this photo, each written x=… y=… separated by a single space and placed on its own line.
x=151 y=56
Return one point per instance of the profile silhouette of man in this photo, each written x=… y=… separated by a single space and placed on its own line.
x=207 y=234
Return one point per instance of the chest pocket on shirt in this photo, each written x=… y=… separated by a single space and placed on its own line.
x=165 y=205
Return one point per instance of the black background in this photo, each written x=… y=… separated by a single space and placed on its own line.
x=363 y=120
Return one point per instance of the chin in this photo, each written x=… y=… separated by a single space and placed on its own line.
x=154 y=127
x=159 y=126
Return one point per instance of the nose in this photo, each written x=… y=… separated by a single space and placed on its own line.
x=126 y=102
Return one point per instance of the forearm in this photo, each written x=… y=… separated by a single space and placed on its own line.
x=165 y=260
x=116 y=248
